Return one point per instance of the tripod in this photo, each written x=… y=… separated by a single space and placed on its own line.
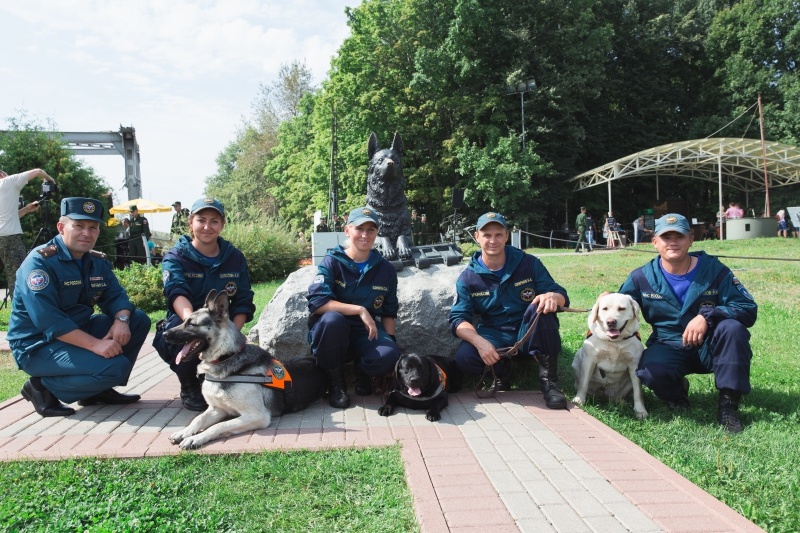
x=44 y=232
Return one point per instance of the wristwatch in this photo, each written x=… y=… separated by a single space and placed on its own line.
x=122 y=318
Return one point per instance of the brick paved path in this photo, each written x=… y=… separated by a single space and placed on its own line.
x=506 y=464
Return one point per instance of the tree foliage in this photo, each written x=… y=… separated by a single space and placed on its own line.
x=25 y=145
x=613 y=77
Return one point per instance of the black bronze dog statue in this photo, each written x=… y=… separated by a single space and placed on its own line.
x=386 y=195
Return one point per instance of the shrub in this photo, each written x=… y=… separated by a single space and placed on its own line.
x=271 y=249
x=144 y=285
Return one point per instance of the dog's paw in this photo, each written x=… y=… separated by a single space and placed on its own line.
x=577 y=400
x=385 y=410
x=176 y=437
x=432 y=416
x=641 y=412
x=192 y=443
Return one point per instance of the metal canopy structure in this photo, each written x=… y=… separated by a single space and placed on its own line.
x=735 y=163
x=122 y=142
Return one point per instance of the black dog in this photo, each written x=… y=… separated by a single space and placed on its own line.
x=386 y=196
x=420 y=383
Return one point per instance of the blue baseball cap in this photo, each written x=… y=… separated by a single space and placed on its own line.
x=360 y=215
x=79 y=208
x=208 y=203
x=672 y=222
x=486 y=218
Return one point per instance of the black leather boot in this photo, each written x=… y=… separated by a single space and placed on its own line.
x=548 y=381
x=727 y=411
x=337 y=390
x=192 y=393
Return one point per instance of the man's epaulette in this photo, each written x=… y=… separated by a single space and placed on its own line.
x=95 y=253
x=48 y=251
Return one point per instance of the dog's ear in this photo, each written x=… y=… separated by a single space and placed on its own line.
x=372 y=146
x=594 y=312
x=210 y=297
x=634 y=306
x=219 y=307
x=397 y=143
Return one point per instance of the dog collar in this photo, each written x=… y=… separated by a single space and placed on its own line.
x=225 y=357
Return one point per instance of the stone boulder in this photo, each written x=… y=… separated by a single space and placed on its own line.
x=425 y=297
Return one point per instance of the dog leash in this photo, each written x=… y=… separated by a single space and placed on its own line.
x=512 y=351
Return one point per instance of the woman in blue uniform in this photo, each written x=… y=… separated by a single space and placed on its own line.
x=198 y=263
x=353 y=305
x=700 y=313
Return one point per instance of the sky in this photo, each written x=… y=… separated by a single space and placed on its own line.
x=182 y=73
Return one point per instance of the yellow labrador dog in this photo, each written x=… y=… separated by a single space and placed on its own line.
x=606 y=363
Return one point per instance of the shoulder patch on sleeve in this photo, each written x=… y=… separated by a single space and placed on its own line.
x=318 y=279
x=741 y=289
x=165 y=275
x=37 y=280
x=48 y=251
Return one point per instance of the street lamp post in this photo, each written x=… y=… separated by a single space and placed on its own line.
x=521 y=88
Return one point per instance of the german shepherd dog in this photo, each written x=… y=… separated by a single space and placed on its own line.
x=244 y=385
x=420 y=382
x=386 y=196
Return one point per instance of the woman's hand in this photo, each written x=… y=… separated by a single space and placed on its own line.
x=369 y=323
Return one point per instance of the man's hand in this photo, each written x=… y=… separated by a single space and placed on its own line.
x=487 y=351
x=547 y=302
x=120 y=333
x=695 y=331
x=107 y=348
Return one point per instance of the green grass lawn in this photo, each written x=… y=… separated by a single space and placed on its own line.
x=756 y=472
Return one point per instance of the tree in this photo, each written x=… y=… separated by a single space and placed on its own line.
x=26 y=145
x=239 y=181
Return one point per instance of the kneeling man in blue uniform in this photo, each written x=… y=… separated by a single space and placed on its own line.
x=700 y=313
x=71 y=353
x=508 y=289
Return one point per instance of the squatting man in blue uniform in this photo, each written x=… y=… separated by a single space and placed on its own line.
x=353 y=305
x=700 y=313
x=70 y=353
x=508 y=289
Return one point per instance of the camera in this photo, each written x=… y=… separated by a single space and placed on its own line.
x=48 y=189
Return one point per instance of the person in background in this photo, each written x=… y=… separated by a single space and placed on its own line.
x=71 y=353
x=424 y=230
x=507 y=288
x=12 y=247
x=700 y=314
x=580 y=227
x=783 y=227
x=198 y=263
x=322 y=227
x=353 y=307
x=178 y=226
x=139 y=228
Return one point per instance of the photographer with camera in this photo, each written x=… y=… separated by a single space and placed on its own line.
x=12 y=248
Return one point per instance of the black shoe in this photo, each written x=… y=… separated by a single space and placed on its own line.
x=192 y=393
x=363 y=384
x=337 y=395
x=45 y=403
x=503 y=374
x=110 y=397
x=727 y=411
x=554 y=398
x=681 y=404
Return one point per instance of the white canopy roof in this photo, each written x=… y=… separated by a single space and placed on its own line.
x=737 y=163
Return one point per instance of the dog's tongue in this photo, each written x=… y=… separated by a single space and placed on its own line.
x=413 y=391
x=613 y=333
x=183 y=352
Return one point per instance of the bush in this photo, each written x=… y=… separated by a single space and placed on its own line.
x=145 y=286
x=271 y=249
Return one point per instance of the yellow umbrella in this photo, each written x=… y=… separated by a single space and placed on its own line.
x=144 y=206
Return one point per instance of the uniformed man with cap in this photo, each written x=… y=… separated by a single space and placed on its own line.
x=139 y=228
x=178 y=226
x=700 y=313
x=71 y=353
x=508 y=289
x=424 y=230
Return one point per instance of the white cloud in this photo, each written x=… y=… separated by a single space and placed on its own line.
x=182 y=72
